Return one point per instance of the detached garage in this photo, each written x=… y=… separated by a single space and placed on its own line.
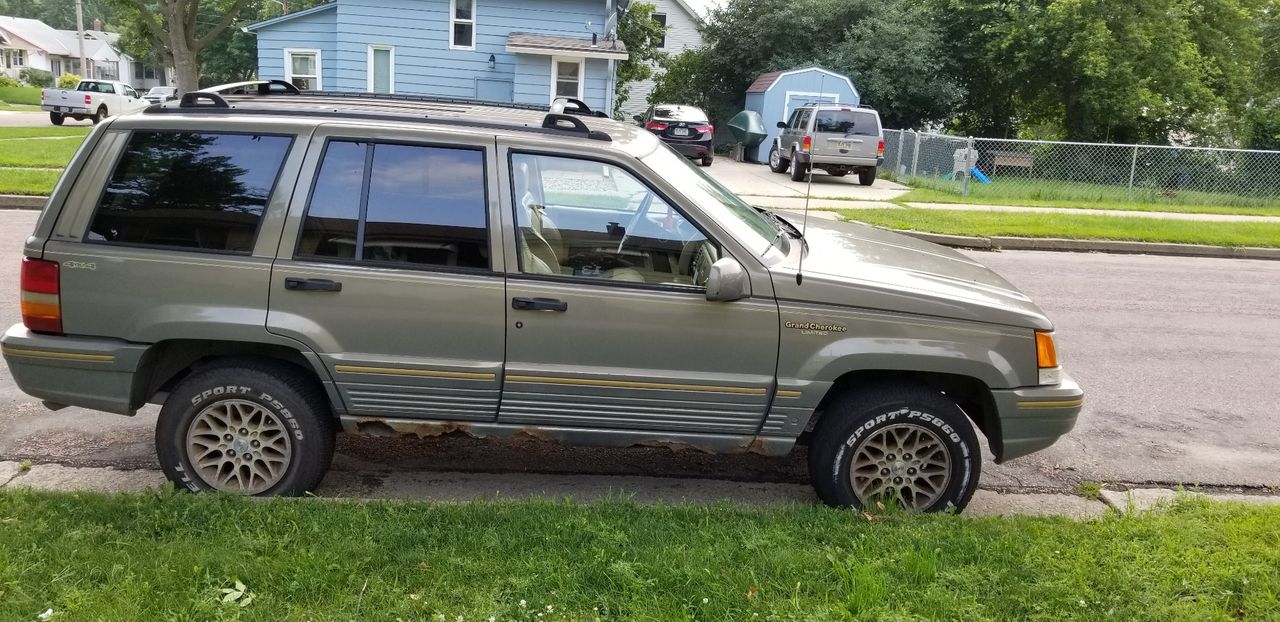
x=775 y=94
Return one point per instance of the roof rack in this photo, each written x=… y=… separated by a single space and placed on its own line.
x=562 y=116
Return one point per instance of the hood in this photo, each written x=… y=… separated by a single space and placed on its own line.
x=855 y=265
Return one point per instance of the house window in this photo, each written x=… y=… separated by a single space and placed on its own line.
x=302 y=69
x=462 y=24
x=661 y=18
x=382 y=69
x=567 y=81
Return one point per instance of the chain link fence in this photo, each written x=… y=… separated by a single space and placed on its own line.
x=989 y=169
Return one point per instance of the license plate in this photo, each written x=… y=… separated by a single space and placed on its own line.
x=63 y=109
x=842 y=144
x=680 y=131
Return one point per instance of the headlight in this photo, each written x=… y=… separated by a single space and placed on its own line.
x=1047 y=359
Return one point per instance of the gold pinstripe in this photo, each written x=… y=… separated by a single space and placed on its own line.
x=782 y=393
x=1059 y=404
x=427 y=373
x=628 y=384
x=68 y=356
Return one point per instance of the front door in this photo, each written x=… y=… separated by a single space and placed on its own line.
x=392 y=278
x=608 y=324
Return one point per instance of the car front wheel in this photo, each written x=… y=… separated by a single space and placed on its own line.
x=246 y=427
x=777 y=163
x=906 y=445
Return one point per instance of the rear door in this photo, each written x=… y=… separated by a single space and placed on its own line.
x=387 y=271
x=846 y=131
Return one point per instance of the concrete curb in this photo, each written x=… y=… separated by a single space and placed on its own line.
x=444 y=487
x=1096 y=246
x=18 y=201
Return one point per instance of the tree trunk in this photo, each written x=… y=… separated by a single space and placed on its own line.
x=186 y=69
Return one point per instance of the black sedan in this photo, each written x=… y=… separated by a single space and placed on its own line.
x=685 y=128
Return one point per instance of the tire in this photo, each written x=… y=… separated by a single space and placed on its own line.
x=56 y=118
x=777 y=163
x=706 y=161
x=288 y=408
x=896 y=414
x=867 y=176
x=797 y=171
x=100 y=115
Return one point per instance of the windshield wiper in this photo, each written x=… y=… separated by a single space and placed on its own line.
x=783 y=227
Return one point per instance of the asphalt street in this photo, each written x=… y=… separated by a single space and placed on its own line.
x=1179 y=357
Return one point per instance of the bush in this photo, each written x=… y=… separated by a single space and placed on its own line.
x=36 y=77
x=68 y=81
x=6 y=81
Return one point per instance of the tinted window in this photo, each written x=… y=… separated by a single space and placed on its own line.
x=854 y=122
x=191 y=190
x=420 y=205
x=680 y=113
x=427 y=206
x=330 y=227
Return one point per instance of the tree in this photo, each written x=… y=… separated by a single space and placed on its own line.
x=641 y=34
x=178 y=29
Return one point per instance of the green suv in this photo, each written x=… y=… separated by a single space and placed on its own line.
x=275 y=268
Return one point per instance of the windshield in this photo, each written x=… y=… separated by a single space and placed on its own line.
x=743 y=222
x=847 y=121
x=680 y=113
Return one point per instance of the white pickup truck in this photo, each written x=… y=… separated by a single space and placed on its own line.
x=91 y=99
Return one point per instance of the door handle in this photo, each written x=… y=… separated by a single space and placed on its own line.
x=539 y=304
x=312 y=285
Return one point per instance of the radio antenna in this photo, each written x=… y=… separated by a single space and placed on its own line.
x=808 y=190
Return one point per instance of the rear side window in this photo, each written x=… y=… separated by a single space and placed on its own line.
x=192 y=190
x=855 y=122
x=414 y=205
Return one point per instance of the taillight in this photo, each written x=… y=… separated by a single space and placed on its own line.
x=656 y=126
x=880 y=148
x=705 y=129
x=41 y=305
x=806 y=144
x=87 y=100
x=42 y=96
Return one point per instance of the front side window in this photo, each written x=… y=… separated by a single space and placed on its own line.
x=398 y=204
x=590 y=220
x=462 y=25
x=303 y=69
x=194 y=190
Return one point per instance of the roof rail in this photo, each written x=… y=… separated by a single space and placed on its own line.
x=562 y=105
x=555 y=121
x=193 y=99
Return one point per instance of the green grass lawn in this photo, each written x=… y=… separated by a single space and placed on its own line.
x=1049 y=193
x=35 y=132
x=179 y=556
x=39 y=152
x=29 y=95
x=6 y=106
x=29 y=182
x=1073 y=226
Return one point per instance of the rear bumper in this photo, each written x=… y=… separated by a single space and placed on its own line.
x=1033 y=418
x=836 y=160
x=73 y=371
x=68 y=110
x=690 y=148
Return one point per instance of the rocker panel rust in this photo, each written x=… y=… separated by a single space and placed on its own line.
x=709 y=443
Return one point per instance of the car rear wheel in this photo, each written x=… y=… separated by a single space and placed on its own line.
x=797 y=170
x=904 y=444
x=867 y=176
x=248 y=428
x=100 y=115
x=56 y=118
x=777 y=163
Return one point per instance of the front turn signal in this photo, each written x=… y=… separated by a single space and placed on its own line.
x=1046 y=353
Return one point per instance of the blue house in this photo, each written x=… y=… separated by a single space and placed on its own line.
x=775 y=94
x=523 y=51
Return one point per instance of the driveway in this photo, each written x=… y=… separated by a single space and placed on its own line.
x=16 y=118
x=756 y=184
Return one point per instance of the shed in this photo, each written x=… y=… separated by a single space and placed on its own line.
x=775 y=94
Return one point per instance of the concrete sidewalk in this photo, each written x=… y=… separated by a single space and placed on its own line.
x=449 y=487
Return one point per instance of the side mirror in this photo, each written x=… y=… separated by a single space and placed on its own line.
x=782 y=125
x=639 y=119
x=727 y=281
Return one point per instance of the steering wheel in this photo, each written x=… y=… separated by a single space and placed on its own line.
x=645 y=203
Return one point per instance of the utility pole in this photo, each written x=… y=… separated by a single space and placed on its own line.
x=84 y=67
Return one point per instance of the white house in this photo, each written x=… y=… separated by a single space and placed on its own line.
x=32 y=43
x=682 y=34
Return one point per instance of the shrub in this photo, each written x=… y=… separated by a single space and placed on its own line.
x=68 y=81
x=6 y=81
x=36 y=77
